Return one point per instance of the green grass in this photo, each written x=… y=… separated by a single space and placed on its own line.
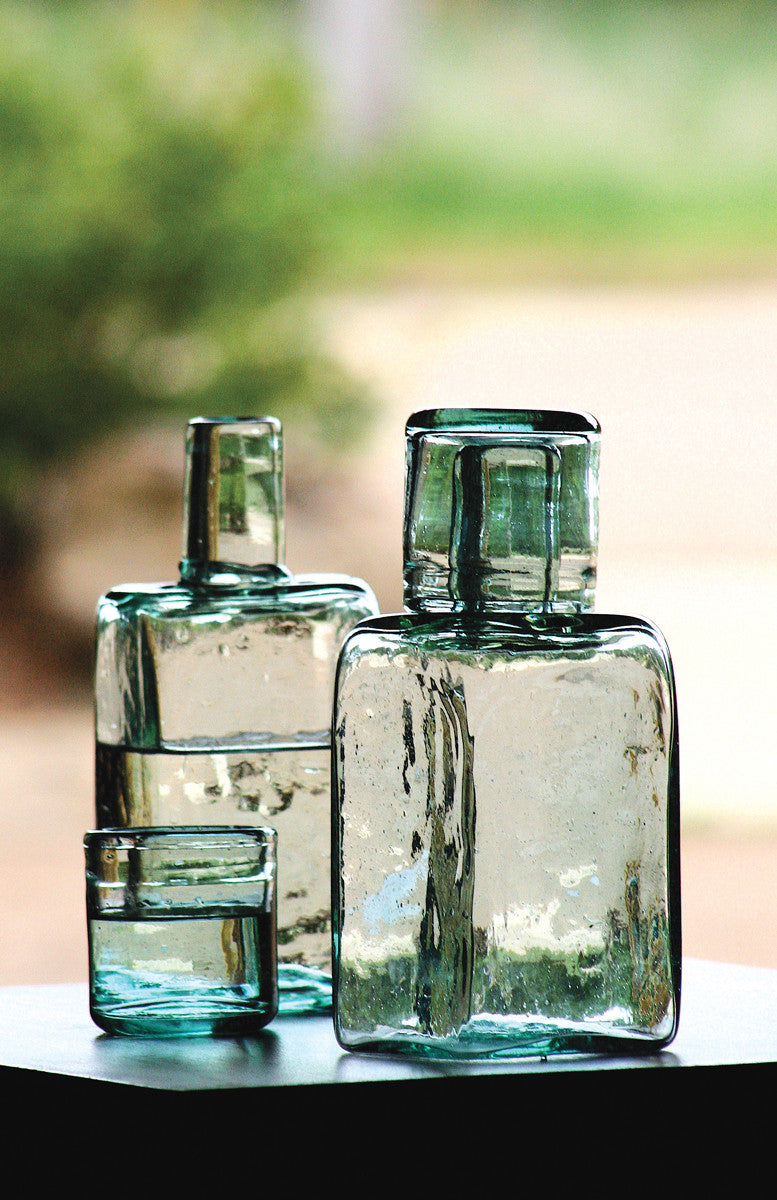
x=563 y=138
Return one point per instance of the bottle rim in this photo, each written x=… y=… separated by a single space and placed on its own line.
x=502 y=422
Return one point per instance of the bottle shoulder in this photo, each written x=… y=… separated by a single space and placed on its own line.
x=294 y=593
x=504 y=622
x=507 y=631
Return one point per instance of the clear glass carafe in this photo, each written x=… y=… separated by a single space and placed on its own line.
x=213 y=693
x=505 y=769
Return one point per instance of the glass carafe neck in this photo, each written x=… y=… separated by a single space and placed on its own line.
x=233 y=499
x=501 y=510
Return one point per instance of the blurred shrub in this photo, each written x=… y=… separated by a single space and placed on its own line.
x=158 y=210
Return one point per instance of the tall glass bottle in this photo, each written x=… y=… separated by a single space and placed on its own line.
x=505 y=768
x=213 y=694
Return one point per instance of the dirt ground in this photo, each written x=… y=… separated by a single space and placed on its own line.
x=683 y=383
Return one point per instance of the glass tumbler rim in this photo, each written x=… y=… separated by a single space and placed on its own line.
x=139 y=834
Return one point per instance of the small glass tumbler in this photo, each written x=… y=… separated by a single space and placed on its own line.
x=182 y=930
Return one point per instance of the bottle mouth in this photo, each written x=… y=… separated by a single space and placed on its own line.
x=501 y=509
x=501 y=422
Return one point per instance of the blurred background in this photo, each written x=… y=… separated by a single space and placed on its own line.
x=338 y=212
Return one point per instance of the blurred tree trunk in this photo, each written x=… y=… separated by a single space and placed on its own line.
x=362 y=51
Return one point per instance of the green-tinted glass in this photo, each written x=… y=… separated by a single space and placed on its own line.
x=213 y=694
x=234 y=510
x=501 y=509
x=182 y=930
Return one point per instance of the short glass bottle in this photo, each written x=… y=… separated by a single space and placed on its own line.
x=181 y=930
x=505 y=769
x=213 y=694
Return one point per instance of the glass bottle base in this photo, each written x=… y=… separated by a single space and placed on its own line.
x=489 y=1039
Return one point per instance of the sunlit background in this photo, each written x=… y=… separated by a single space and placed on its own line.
x=339 y=212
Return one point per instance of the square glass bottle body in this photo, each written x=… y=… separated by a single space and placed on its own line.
x=212 y=707
x=505 y=825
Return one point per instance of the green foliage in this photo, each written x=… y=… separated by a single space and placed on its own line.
x=158 y=213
